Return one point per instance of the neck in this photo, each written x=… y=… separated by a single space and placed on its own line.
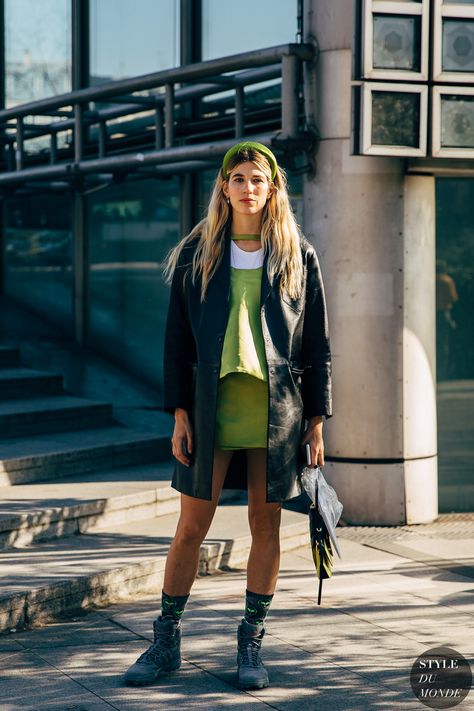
x=246 y=224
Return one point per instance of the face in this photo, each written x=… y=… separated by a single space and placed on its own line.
x=248 y=188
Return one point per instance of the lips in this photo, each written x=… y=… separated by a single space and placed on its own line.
x=247 y=200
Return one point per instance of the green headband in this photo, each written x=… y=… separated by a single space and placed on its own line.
x=254 y=146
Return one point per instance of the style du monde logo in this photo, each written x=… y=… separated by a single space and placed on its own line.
x=441 y=678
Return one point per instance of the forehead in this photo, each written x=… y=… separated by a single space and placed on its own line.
x=246 y=168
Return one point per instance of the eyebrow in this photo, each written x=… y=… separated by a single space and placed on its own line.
x=241 y=175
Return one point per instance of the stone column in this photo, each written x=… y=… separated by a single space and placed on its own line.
x=373 y=229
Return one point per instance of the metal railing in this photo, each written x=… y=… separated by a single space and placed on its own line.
x=91 y=151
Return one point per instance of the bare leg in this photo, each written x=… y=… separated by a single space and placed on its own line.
x=194 y=522
x=264 y=519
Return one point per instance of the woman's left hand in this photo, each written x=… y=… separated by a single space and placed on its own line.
x=314 y=436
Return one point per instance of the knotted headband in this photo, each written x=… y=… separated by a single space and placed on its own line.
x=250 y=145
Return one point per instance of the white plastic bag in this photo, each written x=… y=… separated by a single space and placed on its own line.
x=330 y=508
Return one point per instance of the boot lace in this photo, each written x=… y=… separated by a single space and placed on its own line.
x=249 y=653
x=159 y=651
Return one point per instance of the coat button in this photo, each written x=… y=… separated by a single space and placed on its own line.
x=272 y=371
x=216 y=369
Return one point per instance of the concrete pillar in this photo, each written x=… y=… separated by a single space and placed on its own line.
x=373 y=228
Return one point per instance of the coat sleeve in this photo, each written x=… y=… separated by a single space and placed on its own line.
x=179 y=346
x=316 y=378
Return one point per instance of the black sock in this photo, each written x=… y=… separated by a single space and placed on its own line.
x=256 y=607
x=172 y=606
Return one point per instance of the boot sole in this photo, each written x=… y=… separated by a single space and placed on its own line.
x=263 y=685
x=130 y=682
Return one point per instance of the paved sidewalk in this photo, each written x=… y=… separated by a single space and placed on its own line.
x=380 y=611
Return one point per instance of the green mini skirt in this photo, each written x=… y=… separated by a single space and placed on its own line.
x=242 y=412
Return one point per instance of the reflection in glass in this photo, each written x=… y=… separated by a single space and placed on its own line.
x=397 y=42
x=253 y=26
x=455 y=341
x=38 y=256
x=396 y=119
x=457 y=121
x=131 y=227
x=232 y=28
x=37 y=49
x=129 y=38
x=458 y=45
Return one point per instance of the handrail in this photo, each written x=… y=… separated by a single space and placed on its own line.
x=177 y=75
x=206 y=78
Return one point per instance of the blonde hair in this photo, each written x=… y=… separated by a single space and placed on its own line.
x=280 y=233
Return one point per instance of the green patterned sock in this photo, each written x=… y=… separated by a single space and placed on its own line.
x=172 y=606
x=256 y=607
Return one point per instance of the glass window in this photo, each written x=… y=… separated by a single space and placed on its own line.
x=455 y=341
x=131 y=227
x=397 y=42
x=395 y=119
x=232 y=28
x=457 y=121
x=254 y=25
x=37 y=49
x=458 y=45
x=38 y=256
x=132 y=38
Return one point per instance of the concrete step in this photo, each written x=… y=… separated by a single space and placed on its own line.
x=120 y=562
x=25 y=382
x=54 y=413
x=30 y=513
x=64 y=454
x=9 y=356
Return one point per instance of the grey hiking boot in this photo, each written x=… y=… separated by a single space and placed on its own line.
x=252 y=673
x=162 y=656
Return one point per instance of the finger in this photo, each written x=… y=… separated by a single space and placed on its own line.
x=189 y=441
x=179 y=455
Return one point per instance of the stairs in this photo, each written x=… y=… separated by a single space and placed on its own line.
x=87 y=512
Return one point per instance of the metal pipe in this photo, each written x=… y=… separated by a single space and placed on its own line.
x=159 y=138
x=78 y=134
x=134 y=161
x=169 y=115
x=189 y=73
x=102 y=139
x=289 y=96
x=19 y=143
x=239 y=111
x=183 y=94
x=53 y=148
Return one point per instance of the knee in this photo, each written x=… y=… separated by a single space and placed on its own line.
x=189 y=532
x=265 y=524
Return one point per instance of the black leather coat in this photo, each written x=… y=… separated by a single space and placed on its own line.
x=299 y=370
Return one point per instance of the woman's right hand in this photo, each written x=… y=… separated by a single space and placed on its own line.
x=182 y=437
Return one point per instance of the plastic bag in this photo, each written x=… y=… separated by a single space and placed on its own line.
x=316 y=487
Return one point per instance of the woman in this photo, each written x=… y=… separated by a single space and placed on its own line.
x=246 y=365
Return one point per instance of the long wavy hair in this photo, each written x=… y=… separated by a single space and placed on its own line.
x=280 y=233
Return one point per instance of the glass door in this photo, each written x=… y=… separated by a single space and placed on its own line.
x=455 y=342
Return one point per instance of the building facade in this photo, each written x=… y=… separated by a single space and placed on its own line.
x=115 y=116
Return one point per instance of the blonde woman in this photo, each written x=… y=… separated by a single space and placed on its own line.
x=247 y=376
